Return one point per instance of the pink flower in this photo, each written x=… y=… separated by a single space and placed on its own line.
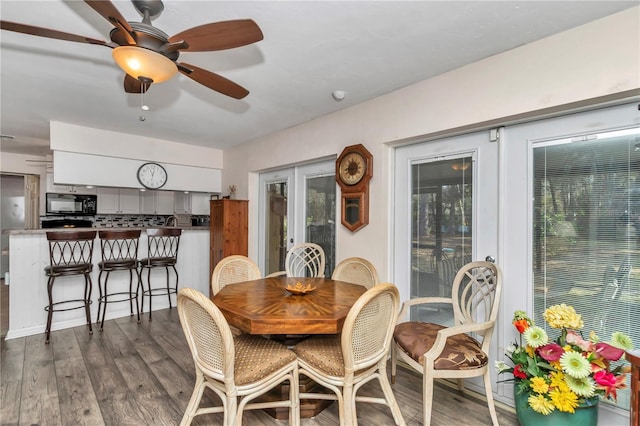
x=608 y=352
x=604 y=378
x=576 y=339
x=551 y=352
x=609 y=382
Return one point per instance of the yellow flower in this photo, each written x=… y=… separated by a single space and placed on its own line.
x=558 y=382
x=540 y=404
x=563 y=316
x=564 y=401
x=531 y=351
x=539 y=385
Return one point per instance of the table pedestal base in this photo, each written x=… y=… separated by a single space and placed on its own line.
x=308 y=407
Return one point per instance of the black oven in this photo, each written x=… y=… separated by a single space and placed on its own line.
x=71 y=204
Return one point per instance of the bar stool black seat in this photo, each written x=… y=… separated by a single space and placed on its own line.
x=162 y=252
x=70 y=253
x=119 y=250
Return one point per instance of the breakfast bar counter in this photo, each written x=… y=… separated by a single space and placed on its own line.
x=29 y=255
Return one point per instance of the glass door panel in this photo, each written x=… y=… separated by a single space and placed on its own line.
x=299 y=205
x=321 y=217
x=276 y=222
x=586 y=229
x=437 y=214
x=276 y=227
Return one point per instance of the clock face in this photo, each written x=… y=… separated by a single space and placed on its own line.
x=152 y=175
x=353 y=167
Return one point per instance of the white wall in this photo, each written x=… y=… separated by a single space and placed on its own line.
x=599 y=60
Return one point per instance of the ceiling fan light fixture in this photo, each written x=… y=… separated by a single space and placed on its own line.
x=139 y=62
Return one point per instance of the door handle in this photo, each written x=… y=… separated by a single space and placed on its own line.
x=490 y=259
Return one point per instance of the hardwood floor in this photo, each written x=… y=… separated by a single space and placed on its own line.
x=143 y=374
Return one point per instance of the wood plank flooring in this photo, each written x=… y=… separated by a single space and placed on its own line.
x=143 y=374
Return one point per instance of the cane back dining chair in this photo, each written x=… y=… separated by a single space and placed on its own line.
x=162 y=252
x=343 y=363
x=305 y=260
x=70 y=253
x=238 y=369
x=356 y=270
x=233 y=269
x=119 y=250
x=451 y=352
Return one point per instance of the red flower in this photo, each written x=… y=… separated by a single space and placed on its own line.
x=608 y=352
x=517 y=372
x=551 y=352
x=521 y=325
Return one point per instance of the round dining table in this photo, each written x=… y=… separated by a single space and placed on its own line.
x=265 y=306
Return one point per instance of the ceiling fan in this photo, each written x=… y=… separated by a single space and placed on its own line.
x=148 y=55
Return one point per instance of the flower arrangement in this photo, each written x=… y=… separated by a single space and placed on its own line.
x=561 y=374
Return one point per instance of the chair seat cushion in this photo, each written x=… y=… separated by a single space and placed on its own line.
x=157 y=261
x=257 y=357
x=322 y=352
x=72 y=269
x=461 y=352
x=118 y=264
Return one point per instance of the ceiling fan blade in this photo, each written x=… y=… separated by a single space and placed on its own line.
x=44 y=32
x=133 y=85
x=213 y=81
x=220 y=35
x=109 y=12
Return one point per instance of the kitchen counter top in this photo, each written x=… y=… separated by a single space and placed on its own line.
x=43 y=230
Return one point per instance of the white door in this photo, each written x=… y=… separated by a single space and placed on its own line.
x=278 y=219
x=445 y=207
x=299 y=205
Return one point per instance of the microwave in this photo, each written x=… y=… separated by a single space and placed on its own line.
x=71 y=204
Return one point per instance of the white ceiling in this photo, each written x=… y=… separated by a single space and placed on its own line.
x=310 y=49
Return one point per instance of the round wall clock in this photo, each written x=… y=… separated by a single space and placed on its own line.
x=354 y=169
x=152 y=175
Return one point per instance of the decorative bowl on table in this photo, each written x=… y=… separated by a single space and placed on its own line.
x=299 y=288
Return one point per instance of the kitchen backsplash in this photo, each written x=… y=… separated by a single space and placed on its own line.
x=129 y=221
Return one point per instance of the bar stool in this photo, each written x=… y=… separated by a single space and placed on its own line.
x=119 y=253
x=162 y=252
x=70 y=253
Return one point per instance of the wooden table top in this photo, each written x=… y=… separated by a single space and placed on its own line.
x=264 y=306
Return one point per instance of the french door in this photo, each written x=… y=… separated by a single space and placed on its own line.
x=445 y=211
x=298 y=205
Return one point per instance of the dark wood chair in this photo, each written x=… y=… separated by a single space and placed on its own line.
x=70 y=253
x=119 y=250
x=162 y=252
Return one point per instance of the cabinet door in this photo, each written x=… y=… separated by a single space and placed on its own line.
x=147 y=202
x=200 y=203
x=129 y=201
x=164 y=202
x=182 y=202
x=108 y=200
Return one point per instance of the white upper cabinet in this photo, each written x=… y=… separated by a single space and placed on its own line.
x=182 y=203
x=200 y=203
x=156 y=202
x=118 y=201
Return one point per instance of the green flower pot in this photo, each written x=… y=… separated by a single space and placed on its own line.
x=586 y=414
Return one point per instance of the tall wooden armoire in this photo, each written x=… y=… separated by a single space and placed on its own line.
x=229 y=227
